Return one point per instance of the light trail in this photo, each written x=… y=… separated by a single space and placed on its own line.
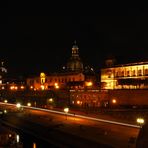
x=76 y=115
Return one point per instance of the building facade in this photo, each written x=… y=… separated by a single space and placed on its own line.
x=73 y=75
x=127 y=76
x=58 y=80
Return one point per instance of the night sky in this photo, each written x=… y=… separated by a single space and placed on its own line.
x=34 y=43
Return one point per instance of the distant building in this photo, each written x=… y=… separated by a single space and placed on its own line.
x=74 y=64
x=73 y=76
x=3 y=72
x=126 y=76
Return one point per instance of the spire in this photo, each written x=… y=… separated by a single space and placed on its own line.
x=75 y=48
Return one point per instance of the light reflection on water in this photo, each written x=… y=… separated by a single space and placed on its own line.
x=10 y=138
x=34 y=145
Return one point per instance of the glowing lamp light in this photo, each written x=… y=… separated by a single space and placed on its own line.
x=31 y=87
x=12 y=87
x=5 y=111
x=22 y=87
x=56 y=86
x=50 y=100
x=17 y=138
x=66 y=110
x=114 y=101
x=78 y=102
x=89 y=84
x=42 y=87
x=5 y=101
x=15 y=87
x=140 y=121
x=29 y=104
x=18 y=105
x=9 y=135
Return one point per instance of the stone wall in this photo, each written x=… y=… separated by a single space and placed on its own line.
x=129 y=97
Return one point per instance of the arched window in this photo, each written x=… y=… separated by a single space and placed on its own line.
x=128 y=74
x=122 y=73
x=133 y=73
x=146 y=72
x=139 y=72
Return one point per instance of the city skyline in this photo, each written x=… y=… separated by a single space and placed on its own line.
x=31 y=44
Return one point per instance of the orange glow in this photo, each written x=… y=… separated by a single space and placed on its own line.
x=31 y=87
x=15 y=87
x=42 y=87
x=12 y=87
x=57 y=87
x=88 y=83
x=34 y=145
x=42 y=75
x=114 y=101
x=56 y=84
x=140 y=120
x=29 y=104
x=50 y=100
x=22 y=87
x=78 y=102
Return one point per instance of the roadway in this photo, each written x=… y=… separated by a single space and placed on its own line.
x=71 y=129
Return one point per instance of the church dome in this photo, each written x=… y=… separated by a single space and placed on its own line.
x=75 y=64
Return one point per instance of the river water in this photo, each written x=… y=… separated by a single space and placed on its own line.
x=15 y=139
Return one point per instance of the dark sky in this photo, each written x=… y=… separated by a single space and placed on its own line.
x=34 y=43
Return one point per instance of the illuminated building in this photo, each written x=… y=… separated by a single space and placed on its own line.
x=127 y=76
x=85 y=99
x=73 y=75
x=54 y=80
x=74 y=64
x=9 y=138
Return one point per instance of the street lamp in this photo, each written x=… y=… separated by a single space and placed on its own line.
x=50 y=100
x=114 y=101
x=29 y=104
x=56 y=85
x=5 y=111
x=140 y=121
x=18 y=105
x=66 y=110
x=5 y=101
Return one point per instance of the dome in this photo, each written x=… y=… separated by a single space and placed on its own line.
x=75 y=64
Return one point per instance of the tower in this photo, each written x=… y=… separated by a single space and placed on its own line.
x=75 y=64
x=3 y=72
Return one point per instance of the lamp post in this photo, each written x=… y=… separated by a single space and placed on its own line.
x=18 y=105
x=28 y=104
x=5 y=101
x=140 y=121
x=66 y=110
